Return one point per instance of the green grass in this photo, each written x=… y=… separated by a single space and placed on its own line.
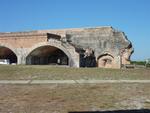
x=25 y=72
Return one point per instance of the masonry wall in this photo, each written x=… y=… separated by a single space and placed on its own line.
x=111 y=48
x=23 y=41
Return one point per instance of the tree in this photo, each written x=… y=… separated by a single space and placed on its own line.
x=147 y=62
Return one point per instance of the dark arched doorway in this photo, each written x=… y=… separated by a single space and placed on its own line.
x=7 y=54
x=47 y=55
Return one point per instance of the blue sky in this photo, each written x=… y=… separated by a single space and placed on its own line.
x=130 y=16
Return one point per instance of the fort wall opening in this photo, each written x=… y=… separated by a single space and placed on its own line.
x=47 y=55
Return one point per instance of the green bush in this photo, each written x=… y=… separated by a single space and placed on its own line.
x=140 y=63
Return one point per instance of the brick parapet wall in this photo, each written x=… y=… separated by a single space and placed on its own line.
x=23 y=41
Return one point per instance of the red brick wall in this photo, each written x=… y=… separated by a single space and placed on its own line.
x=23 y=42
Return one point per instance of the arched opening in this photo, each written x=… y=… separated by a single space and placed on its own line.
x=47 y=55
x=105 y=61
x=7 y=56
x=87 y=58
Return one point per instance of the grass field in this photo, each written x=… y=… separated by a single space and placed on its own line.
x=66 y=98
x=24 y=72
x=76 y=97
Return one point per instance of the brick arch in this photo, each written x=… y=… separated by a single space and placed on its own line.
x=57 y=44
x=105 y=60
x=9 y=47
x=14 y=57
x=105 y=54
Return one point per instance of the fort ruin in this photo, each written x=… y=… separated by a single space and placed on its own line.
x=82 y=47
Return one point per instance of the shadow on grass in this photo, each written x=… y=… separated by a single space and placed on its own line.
x=116 y=111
